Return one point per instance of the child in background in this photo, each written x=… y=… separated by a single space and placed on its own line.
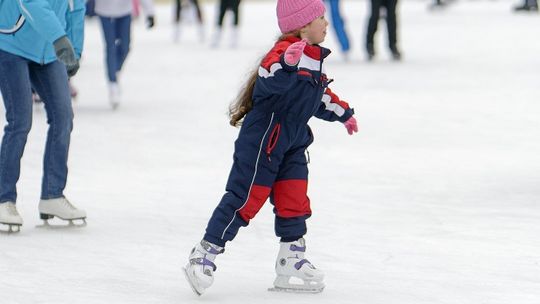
x=283 y=93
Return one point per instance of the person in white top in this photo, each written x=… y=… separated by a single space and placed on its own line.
x=115 y=16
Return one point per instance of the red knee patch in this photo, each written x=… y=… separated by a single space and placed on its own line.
x=290 y=198
x=257 y=196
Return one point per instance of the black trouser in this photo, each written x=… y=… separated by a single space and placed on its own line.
x=232 y=5
x=178 y=10
x=391 y=22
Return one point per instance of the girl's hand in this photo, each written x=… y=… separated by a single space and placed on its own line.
x=351 y=125
x=294 y=52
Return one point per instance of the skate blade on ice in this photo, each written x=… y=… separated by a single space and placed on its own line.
x=10 y=228
x=71 y=223
x=283 y=284
x=191 y=283
x=300 y=289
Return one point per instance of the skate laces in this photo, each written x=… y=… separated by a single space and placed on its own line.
x=65 y=202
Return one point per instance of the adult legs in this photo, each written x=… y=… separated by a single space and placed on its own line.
x=339 y=25
x=234 y=5
x=391 y=24
x=223 y=4
x=372 y=27
x=116 y=32
x=51 y=83
x=123 y=40
x=177 y=10
x=17 y=96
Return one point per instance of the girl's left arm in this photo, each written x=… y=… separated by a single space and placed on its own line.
x=332 y=108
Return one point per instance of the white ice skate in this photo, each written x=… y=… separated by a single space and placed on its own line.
x=291 y=266
x=115 y=95
x=63 y=209
x=216 y=38
x=10 y=216
x=200 y=269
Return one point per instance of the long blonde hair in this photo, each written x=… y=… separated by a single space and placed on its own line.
x=244 y=101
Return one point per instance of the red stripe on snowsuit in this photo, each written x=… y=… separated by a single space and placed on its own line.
x=335 y=99
x=274 y=55
x=290 y=198
x=257 y=196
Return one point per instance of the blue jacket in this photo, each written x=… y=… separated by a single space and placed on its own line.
x=28 y=28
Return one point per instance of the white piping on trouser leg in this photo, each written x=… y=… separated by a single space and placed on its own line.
x=71 y=5
x=253 y=179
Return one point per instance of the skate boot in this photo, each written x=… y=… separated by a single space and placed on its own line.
x=370 y=49
x=63 y=209
x=216 y=38
x=10 y=216
x=114 y=95
x=200 y=269
x=396 y=54
x=291 y=264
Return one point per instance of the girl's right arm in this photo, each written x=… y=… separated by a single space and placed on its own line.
x=275 y=75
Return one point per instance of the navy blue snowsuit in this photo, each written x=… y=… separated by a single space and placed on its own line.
x=269 y=157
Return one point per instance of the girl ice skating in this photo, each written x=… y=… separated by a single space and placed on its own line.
x=288 y=88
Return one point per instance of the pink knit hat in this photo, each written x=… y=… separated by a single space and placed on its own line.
x=294 y=14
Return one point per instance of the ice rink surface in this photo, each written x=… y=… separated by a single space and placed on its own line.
x=435 y=200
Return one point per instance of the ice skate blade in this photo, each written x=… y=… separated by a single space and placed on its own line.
x=70 y=225
x=191 y=282
x=10 y=229
x=296 y=290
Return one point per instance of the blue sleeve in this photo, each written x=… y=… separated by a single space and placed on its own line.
x=275 y=80
x=75 y=24
x=332 y=108
x=41 y=17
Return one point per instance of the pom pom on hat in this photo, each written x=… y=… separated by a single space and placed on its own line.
x=294 y=14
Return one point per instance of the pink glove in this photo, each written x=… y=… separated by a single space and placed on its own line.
x=294 y=52
x=351 y=125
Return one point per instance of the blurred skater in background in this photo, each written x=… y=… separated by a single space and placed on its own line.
x=339 y=27
x=528 y=5
x=180 y=8
x=224 y=6
x=391 y=22
x=115 y=17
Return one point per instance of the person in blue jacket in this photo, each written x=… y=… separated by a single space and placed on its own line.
x=339 y=27
x=286 y=90
x=40 y=45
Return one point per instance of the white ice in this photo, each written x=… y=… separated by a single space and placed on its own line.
x=435 y=200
